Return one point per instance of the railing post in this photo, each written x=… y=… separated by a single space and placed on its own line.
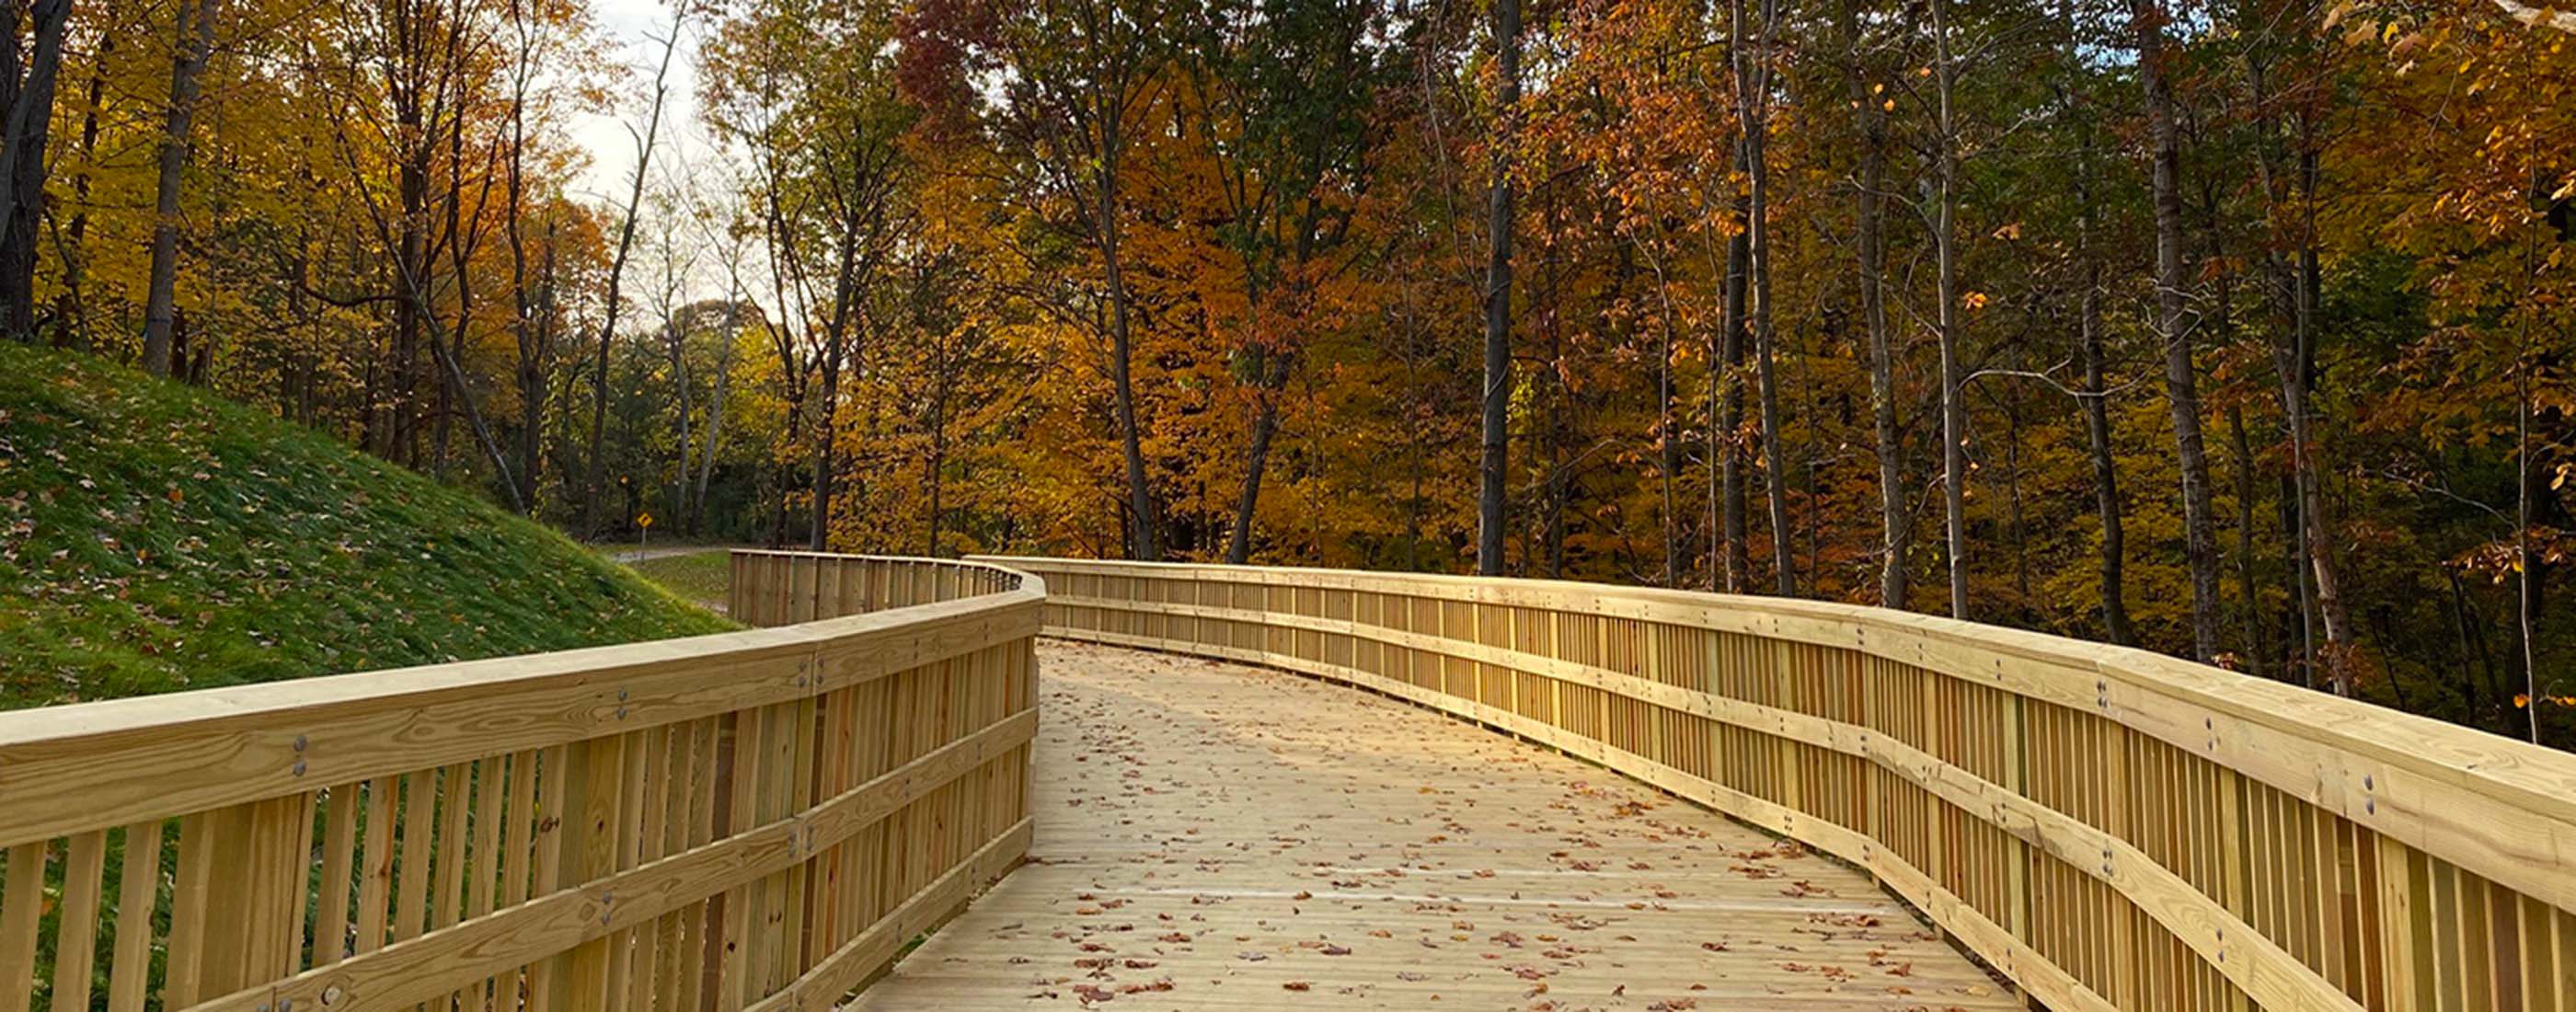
x=735 y=581
x=237 y=918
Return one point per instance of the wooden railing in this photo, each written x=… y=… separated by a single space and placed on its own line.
x=783 y=588
x=755 y=820
x=2110 y=828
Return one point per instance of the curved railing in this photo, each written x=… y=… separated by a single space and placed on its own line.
x=2111 y=829
x=754 y=820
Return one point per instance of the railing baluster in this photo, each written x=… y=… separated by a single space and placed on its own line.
x=2117 y=830
x=138 y=896
x=22 y=908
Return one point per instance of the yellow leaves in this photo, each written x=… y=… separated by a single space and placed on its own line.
x=2010 y=232
x=1975 y=301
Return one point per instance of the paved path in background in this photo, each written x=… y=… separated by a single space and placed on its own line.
x=632 y=554
x=1213 y=836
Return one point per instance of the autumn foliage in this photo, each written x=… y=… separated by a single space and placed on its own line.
x=1205 y=279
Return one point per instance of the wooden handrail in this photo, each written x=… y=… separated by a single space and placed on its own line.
x=2110 y=828
x=755 y=819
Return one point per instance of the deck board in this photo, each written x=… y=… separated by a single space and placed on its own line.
x=1214 y=836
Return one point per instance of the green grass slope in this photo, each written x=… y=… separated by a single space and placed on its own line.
x=155 y=537
x=703 y=577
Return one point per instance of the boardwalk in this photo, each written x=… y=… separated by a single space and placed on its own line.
x=1215 y=836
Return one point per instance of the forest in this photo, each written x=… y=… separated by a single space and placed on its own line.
x=2234 y=329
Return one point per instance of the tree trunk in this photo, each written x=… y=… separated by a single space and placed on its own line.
x=71 y=323
x=2095 y=396
x=795 y=429
x=524 y=328
x=597 y=464
x=1731 y=353
x=2526 y=568
x=1147 y=540
x=847 y=318
x=819 y=530
x=716 y=409
x=679 y=338
x=2182 y=382
x=1753 y=77
x=464 y=233
x=2473 y=645
x=2250 y=617
x=455 y=378
x=1895 y=516
x=2180 y=374
x=1669 y=446
x=187 y=67
x=1265 y=425
x=1727 y=504
x=1945 y=245
x=2297 y=366
x=1493 y=496
x=27 y=92
x=412 y=152
x=937 y=466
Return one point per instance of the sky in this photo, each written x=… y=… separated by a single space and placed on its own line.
x=638 y=28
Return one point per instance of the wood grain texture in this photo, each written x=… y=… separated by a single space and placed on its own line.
x=2116 y=829
x=1210 y=834
x=558 y=832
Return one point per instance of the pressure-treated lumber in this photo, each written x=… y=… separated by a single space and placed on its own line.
x=591 y=829
x=1209 y=835
x=764 y=819
x=2111 y=828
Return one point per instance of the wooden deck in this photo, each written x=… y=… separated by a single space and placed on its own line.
x=1216 y=836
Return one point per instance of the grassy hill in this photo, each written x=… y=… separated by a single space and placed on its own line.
x=155 y=537
x=703 y=577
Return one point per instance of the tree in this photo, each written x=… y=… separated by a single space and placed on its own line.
x=1753 y=88
x=2093 y=395
x=1493 y=499
x=27 y=95
x=2173 y=328
x=187 y=66
x=1870 y=105
x=1078 y=77
x=1287 y=91
x=1186 y=280
x=614 y=298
